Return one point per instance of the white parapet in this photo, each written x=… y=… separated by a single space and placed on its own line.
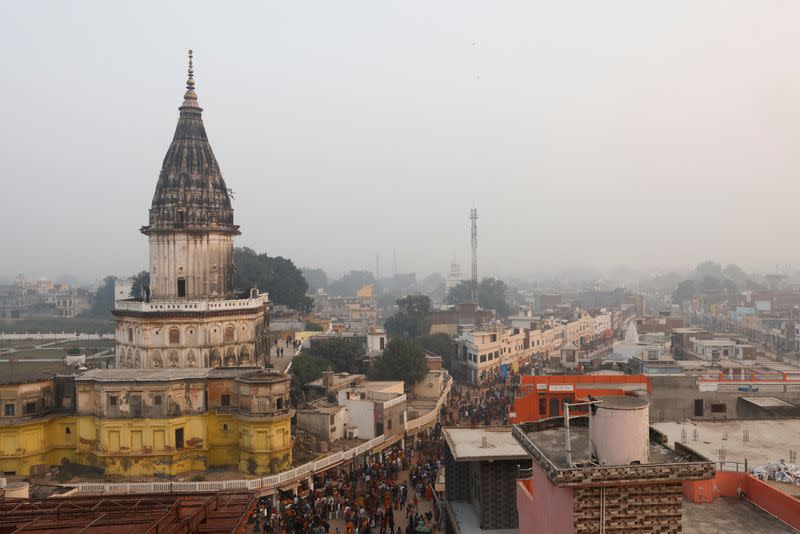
x=192 y=305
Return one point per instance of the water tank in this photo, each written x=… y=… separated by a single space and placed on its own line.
x=619 y=430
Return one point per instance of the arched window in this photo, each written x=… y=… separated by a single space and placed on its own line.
x=181 y=287
x=130 y=335
x=174 y=336
x=228 y=334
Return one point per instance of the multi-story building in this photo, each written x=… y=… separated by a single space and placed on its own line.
x=603 y=472
x=148 y=421
x=190 y=315
x=163 y=411
x=482 y=466
x=481 y=352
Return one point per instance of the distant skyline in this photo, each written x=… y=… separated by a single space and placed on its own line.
x=588 y=135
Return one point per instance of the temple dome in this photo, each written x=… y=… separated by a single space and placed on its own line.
x=190 y=194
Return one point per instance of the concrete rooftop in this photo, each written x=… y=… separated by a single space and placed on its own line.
x=552 y=443
x=730 y=515
x=767 y=402
x=466 y=444
x=769 y=439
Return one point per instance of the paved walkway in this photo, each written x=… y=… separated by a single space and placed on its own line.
x=280 y=363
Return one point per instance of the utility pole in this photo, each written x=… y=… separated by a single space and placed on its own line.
x=473 y=216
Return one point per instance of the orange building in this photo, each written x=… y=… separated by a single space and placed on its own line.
x=543 y=396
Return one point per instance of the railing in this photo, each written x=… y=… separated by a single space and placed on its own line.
x=729 y=465
x=53 y=335
x=273 y=481
x=191 y=305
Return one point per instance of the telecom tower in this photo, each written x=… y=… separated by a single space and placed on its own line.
x=473 y=216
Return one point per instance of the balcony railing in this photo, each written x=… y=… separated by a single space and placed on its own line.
x=191 y=305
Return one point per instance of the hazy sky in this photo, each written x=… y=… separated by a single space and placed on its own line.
x=589 y=133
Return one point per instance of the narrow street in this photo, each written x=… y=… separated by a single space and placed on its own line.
x=393 y=493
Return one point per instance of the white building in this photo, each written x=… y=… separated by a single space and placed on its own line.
x=713 y=350
x=644 y=350
x=374 y=408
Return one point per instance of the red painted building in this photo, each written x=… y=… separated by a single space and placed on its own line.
x=543 y=396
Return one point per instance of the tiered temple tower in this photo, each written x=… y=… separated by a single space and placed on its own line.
x=189 y=315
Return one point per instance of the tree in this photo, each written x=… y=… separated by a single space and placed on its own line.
x=736 y=274
x=276 y=275
x=342 y=355
x=307 y=367
x=442 y=345
x=316 y=278
x=140 y=279
x=103 y=301
x=492 y=295
x=411 y=319
x=461 y=292
x=685 y=291
x=403 y=360
x=348 y=284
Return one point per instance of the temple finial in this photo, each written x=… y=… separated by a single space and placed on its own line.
x=190 y=97
x=190 y=80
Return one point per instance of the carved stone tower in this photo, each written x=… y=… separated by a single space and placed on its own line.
x=190 y=316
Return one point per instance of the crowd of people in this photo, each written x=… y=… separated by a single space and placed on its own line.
x=389 y=490
x=488 y=405
x=395 y=487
